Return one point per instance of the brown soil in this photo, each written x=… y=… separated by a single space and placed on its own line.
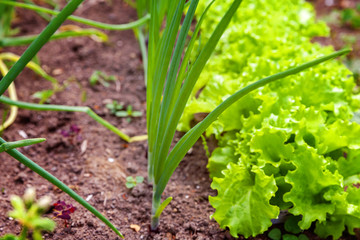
x=90 y=173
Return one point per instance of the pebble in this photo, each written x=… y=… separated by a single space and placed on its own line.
x=88 y=198
x=23 y=134
x=57 y=71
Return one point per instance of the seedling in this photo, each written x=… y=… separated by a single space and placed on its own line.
x=115 y=106
x=117 y=109
x=63 y=211
x=128 y=113
x=73 y=133
x=43 y=96
x=27 y=211
x=131 y=182
x=101 y=77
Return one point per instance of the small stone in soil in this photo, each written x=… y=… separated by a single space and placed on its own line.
x=135 y=227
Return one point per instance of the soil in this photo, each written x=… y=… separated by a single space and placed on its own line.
x=98 y=172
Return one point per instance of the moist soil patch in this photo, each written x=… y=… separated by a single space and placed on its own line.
x=96 y=162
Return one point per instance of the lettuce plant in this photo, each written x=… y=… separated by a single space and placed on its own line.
x=292 y=145
x=171 y=78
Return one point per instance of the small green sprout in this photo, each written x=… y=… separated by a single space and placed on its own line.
x=27 y=211
x=43 y=96
x=131 y=182
x=128 y=113
x=115 y=106
x=101 y=77
x=117 y=109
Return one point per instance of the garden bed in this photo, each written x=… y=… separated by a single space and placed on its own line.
x=89 y=172
x=96 y=162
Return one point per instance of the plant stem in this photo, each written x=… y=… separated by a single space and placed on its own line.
x=24 y=40
x=155 y=220
x=51 y=107
x=143 y=49
x=12 y=93
x=21 y=143
x=120 y=27
x=46 y=175
x=39 y=42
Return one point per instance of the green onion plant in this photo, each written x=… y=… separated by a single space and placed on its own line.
x=171 y=77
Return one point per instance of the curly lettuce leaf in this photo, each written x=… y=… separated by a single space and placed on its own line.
x=349 y=166
x=242 y=203
x=219 y=159
x=269 y=143
x=346 y=215
x=310 y=181
x=299 y=132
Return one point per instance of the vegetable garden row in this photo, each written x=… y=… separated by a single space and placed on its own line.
x=284 y=121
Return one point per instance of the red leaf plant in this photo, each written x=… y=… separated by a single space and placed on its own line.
x=62 y=210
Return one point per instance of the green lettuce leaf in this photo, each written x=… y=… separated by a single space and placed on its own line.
x=310 y=181
x=243 y=198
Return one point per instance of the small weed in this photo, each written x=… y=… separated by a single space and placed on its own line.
x=132 y=182
x=27 y=211
x=114 y=106
x=72 y=133
x=101 y=77
x=116 y=109
x=62 y=210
